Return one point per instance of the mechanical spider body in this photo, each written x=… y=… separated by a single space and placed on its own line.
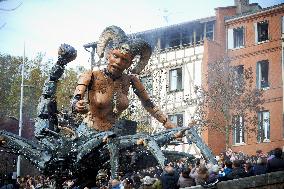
x=65 y=157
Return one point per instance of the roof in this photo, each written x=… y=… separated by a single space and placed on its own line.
x=244 y=15
x=202 y=20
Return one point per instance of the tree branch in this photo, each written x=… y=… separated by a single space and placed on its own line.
x=2 y=26
x=12 y=9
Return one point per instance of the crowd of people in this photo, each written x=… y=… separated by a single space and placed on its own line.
x=176 y=175
x=181 y=174
x=29 y=182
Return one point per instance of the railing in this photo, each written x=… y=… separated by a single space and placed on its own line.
x=274 y=180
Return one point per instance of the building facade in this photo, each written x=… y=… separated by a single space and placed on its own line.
x=254 y=40
x=251 y=37
x=174 y=69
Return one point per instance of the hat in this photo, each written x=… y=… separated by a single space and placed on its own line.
x=102 y=174
x=115 y=182
x=215 y=168
x=147 y=180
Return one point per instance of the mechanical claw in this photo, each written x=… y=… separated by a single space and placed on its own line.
x=66 y=54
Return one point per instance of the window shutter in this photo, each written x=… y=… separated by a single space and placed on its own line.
x=173 y=80
x=259 y=129
x=255 y=32
x=230 y=39
x=258 y=75
x=234 y=129
x=282 y=24
x=179 y=120
x=266 y=125
x=244 y=34
x=179 y=78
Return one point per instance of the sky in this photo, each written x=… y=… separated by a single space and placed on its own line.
x=42 y=25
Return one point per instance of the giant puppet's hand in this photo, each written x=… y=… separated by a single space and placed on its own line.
x=66 y=54
x=169 y=125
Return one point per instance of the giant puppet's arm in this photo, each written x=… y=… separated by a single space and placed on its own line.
x=78 y=103
x=141 y=92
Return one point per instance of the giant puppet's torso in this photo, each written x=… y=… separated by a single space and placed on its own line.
x=107 y=99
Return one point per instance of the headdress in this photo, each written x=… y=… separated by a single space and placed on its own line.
x=147 y=180
x=116 y=38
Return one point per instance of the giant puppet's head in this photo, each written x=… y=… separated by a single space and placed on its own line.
x=114 y=37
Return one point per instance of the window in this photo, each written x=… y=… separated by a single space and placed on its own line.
x=263 y=134
x=176 y=79
x=236 y=38
x=186 y=38
x=262 y=74
x=261 y=31
x=238 y=132
x=146 y=120
x=175 y=40
x=164 y=41
x=177 y=119
x=210 y=30
x=148 y=84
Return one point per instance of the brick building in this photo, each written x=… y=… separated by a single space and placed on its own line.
x=251 y=37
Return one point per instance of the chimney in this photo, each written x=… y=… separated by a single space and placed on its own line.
x=242 y=6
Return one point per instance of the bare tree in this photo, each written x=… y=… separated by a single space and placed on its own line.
x=10 y=9
x=7 y=10
x=229 y=101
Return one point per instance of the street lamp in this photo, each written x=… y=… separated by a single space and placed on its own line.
x=21 y=112
x=92 y=45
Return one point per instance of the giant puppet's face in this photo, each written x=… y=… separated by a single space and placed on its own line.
x=118 y=61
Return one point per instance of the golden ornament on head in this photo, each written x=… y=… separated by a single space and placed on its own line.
x=124 y=49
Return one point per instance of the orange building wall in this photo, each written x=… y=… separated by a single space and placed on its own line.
x=249 y=56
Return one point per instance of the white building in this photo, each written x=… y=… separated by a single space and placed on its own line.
x=174 y=70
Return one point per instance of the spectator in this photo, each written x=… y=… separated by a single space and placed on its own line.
x=260 y=167
x=169 y=177
x=270 y=155
x=213 y=174
x=276 y=163
x=68 y=184
x=222 y=158
x=194 y=170
x=202 y=176
x=185 y=180
x=115 y=184
x=229 y=152
x=249 y=169
x=259 y=153
x=147 y=183
x=237 y=172
x=228 y=167
x=7 y=186
x=158 y=183
x=127 y=183
x=226 y=170
x=136 y=180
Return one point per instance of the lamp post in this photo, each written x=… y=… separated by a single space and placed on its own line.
x=92 y=45
x=21 y=112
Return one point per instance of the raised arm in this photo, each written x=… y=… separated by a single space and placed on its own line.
x=78 y=104
x=147 y=103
